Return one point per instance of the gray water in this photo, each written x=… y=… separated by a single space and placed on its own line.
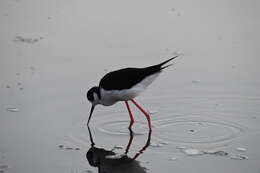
x=203 y=108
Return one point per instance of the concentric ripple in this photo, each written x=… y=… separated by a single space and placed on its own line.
x=120 y=128
x=172 y=128
x=197 y=130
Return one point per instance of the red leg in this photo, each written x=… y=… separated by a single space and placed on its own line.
x=130 y=114
x=145 y=113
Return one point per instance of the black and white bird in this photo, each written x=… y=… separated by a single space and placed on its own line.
x=124 y=85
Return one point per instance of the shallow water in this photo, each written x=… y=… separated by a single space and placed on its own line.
x=204 y=109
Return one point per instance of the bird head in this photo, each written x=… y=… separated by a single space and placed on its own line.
x=93 y=95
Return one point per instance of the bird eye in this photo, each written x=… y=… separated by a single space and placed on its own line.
x=90 y=96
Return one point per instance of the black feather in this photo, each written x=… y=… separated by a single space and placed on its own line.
x=128 y=77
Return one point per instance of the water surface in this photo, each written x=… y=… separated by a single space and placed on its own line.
x=203 y=108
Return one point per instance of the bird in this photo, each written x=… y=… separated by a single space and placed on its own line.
x=124 y=85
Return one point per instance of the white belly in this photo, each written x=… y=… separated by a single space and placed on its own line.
x=111 y=97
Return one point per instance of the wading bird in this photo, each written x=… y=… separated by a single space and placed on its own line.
x=124 y=85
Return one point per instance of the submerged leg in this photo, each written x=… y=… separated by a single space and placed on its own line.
x=145 y=113
x=145 y=146
x=130 y=115
x=131 y=136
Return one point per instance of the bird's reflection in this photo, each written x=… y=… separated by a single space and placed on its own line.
x=107 y=161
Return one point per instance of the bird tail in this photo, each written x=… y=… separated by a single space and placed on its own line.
x=159 y=67
x=163 y=63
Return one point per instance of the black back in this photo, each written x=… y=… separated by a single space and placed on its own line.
x=128 y=77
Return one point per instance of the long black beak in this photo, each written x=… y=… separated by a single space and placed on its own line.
x=91 y=111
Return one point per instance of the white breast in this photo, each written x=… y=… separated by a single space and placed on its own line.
x=111 y=97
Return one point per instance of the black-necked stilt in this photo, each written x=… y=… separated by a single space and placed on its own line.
x=124 y=85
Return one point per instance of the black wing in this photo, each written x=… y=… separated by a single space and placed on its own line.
x=128 y=77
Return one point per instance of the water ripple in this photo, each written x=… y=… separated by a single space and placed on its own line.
x=175 y=128
x=197 y=130
x=120 y=128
